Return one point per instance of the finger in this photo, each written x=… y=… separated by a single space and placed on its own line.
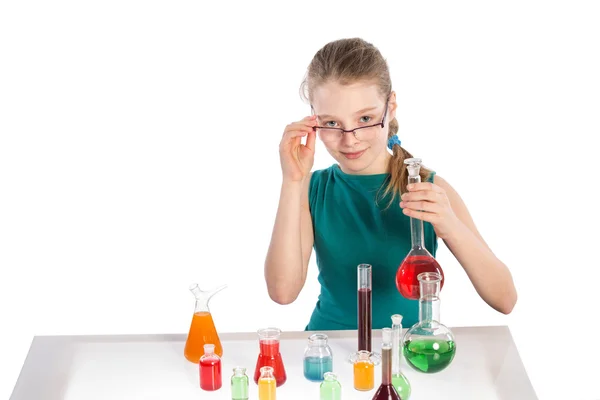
x=422 y=195
x=423 y=216
x=296 y=128
x=310 y=140
x=307 y=121
x=421 y=206
x=415 y=187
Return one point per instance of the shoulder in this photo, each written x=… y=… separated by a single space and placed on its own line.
x=444 y=184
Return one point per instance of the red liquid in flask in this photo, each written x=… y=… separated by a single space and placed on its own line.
x=364 y=319
x=270 y=357
x=210 y=373
x=406 y=277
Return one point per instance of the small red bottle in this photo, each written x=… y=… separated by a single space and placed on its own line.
x=210 y=369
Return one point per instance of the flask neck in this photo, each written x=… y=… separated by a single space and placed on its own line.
x=386 y=365
x=417 y=235
x=396 y=346
x=429 y=309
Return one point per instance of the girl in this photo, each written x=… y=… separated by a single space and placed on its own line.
x=357 y=211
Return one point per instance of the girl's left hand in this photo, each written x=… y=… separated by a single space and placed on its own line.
x=428 y=202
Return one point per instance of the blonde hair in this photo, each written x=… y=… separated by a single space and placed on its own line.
x=348 y=61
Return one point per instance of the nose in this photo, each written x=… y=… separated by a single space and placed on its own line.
x=349 y=139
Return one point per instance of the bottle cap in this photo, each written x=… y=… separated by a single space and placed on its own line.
x=330 y=376
x=209 y=348
x=239 y=370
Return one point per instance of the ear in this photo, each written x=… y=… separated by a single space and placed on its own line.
x=392 y=106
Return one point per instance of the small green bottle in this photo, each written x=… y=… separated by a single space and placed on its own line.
x=331 y=388
x=239 y=384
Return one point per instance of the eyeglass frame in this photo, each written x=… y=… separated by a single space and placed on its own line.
x=382 y=123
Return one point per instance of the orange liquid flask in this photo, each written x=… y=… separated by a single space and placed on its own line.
x=418 y=259
x=202 y=329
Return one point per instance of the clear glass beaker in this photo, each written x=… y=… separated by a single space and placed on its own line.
x=239 y=384
x=269 y=355
x=331 y=388
x=364 y=363
x=202 y=327
x=267 y=384
x=210 y=369
x=418 y=258
x=365 y=311
x=429 y=346
x=318 y=358
x=399 y=380
x=386 y=390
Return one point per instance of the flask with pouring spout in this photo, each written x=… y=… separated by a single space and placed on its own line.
x=202 y=329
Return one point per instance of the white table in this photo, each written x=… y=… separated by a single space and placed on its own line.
x=487 y=366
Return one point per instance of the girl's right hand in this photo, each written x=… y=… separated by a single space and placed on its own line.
x=297 y=158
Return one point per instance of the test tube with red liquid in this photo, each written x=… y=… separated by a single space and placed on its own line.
x=365 y=318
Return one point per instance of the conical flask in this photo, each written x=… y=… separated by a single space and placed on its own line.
x=429 y=345
x=418 y=259
x=202 y=329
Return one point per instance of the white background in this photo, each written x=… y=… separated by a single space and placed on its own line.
x=139 y=153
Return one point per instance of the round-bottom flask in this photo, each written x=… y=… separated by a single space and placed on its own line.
x=429 y=346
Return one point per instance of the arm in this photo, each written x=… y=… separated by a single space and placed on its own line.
x=291 y=244
x=490 y=276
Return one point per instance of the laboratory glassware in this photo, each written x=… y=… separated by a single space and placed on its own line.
x=365 y=317
x=210 y=369
x=318 y=358
x=239 y=384
x=202 y=328
x=364 y=363
x=269 y=355
x=267 y=385
x=386 y=390
x=418 y=258
x=429 y=346
x=331 y=388
x=399 y=380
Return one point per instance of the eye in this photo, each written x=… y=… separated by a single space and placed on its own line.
x=329 y=126
x=368 y=119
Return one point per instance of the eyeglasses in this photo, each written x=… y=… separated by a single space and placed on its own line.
x=368 y=132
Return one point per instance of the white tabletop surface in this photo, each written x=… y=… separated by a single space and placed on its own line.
x=487 y=366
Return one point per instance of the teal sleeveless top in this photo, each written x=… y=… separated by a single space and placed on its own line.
x=351 y=229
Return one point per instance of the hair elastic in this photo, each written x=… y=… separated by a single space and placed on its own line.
x=392 y=141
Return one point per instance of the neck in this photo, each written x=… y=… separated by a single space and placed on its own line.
x=386 y=365
x=429 y=309
x=417 y=235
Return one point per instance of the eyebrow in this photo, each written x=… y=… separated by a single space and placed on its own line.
x=323 y=116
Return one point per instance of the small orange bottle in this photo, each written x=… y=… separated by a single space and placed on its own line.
x=364 y=369
x=202 y=328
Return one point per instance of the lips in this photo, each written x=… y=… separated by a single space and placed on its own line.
x=354 y=155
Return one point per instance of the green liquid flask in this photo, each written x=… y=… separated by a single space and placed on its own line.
x=331 y=388
x=399 y=380
x=429 y=346
x=239 y=384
